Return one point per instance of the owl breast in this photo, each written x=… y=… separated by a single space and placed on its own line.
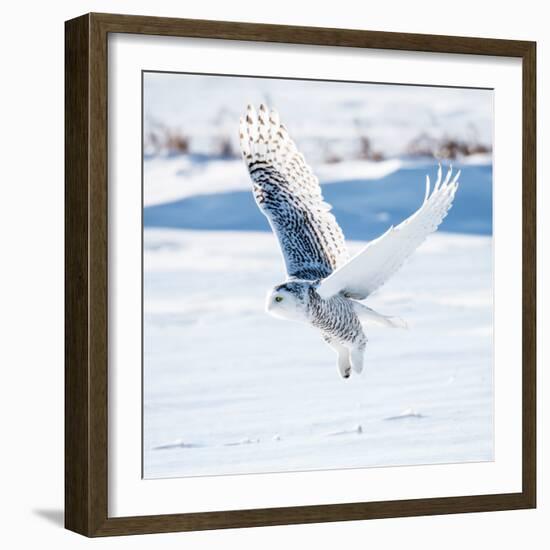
x=335 y=318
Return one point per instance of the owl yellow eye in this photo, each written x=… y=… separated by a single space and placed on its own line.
x=278 y=298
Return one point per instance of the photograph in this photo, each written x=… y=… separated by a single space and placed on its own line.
x=317 y=275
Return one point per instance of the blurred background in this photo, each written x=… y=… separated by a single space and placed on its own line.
x=352 y=134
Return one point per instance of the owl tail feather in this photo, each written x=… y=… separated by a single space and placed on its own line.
x=369 y=317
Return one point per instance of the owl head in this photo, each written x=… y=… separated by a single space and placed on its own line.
x=289 y=301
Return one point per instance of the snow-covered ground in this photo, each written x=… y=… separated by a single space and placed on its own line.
x=229 y=389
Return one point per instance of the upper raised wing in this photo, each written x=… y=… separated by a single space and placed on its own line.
x=381 y=258
x=289 y=195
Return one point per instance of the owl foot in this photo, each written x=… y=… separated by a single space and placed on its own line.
x=357 y=357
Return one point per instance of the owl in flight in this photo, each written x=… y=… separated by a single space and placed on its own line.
x=324 y=285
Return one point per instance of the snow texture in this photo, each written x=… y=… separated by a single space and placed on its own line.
x=229 y=389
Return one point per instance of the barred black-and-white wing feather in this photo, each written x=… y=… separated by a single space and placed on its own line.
x=381 y=258
x=289 y=195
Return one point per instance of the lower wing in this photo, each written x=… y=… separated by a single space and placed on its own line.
x=381 y=258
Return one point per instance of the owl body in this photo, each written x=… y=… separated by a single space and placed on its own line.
x=324 y=285
x=336 y=318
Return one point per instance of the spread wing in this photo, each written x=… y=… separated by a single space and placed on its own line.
x=289 y=195
x=381 y=258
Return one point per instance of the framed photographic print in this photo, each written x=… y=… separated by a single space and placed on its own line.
x=300 y=275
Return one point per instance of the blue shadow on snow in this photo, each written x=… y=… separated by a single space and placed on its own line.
x=364 y=208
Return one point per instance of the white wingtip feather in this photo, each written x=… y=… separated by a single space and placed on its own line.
x=448 y=176
x=438 y=182
x=455 y=179
x=427 y=189
x=274 y=118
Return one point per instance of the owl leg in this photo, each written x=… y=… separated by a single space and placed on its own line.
x=357 y=355
x=344 y=364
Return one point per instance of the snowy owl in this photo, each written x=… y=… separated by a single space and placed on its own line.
x=324 y=285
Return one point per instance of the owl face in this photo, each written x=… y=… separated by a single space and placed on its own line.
x=287 y=301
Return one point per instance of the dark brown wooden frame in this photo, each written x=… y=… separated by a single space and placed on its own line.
x=86 y=274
